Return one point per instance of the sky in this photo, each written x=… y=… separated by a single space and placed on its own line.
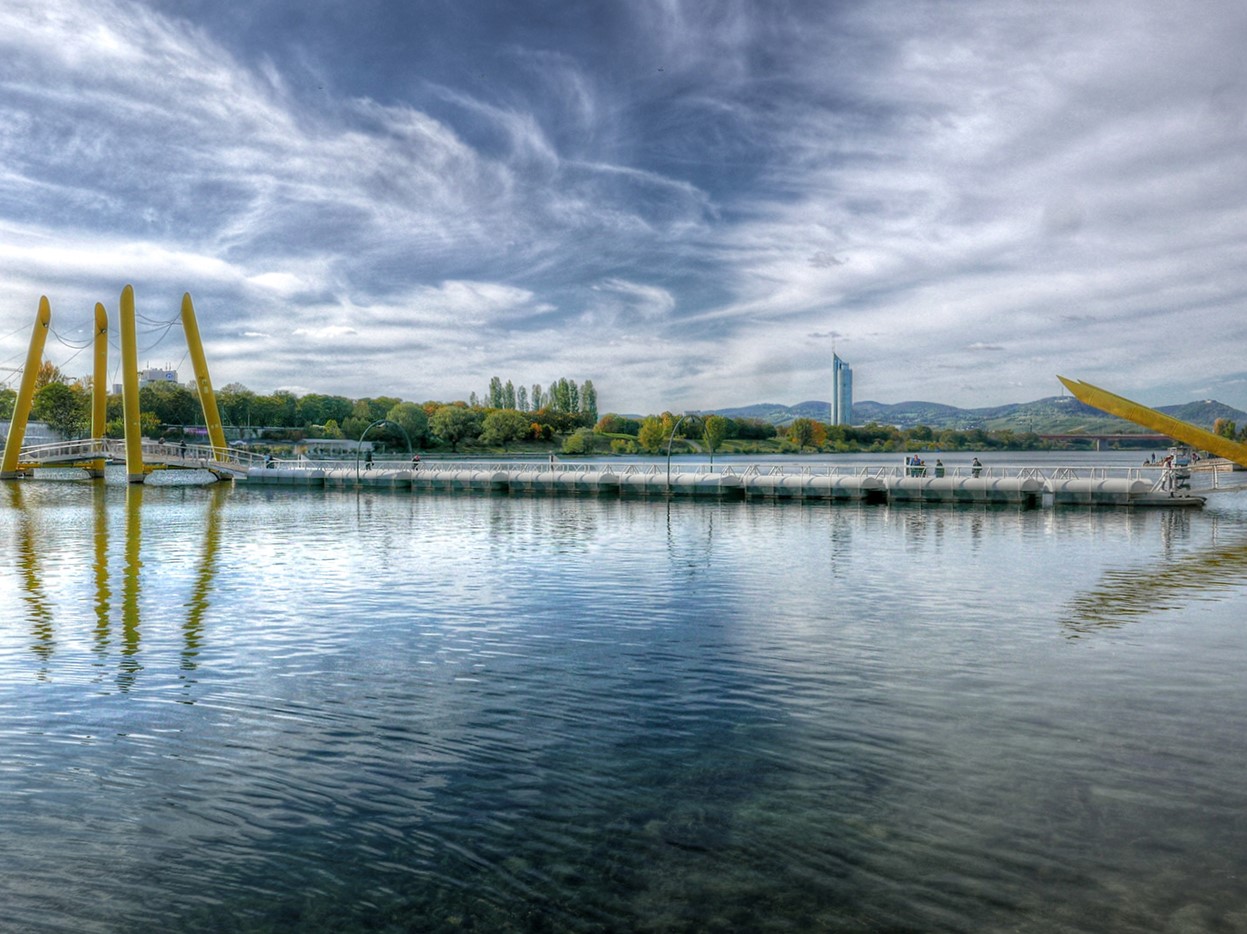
x=692 y=204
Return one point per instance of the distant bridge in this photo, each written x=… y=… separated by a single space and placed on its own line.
x=1121 y=438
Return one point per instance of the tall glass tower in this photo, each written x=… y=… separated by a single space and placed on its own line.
x=841 y=392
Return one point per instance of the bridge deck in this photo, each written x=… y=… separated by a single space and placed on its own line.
x=1142 y=485
x=157 y=455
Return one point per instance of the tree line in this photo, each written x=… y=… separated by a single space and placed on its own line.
x=563 y=415
x=712 y=433
x=167 y=410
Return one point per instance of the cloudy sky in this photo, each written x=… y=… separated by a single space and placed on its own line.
x=690 y=204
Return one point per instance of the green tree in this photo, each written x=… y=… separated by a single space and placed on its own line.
x=171 y=404
x=1225 y=427
x=503 y=426
x=413 y=420
x=652 y=434
x=713 y=433
x=285 y=408
x=332 y=429
x=376 y=407
x=589 y=402
x=316 y=409
x=580 y=441
x=63 y=409
x=236 y=403
x=8 y=400
x=455 y=423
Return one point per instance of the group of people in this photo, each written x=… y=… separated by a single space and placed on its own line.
x=915 y=466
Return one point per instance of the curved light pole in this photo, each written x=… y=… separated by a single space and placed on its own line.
x=371 y=426
x=674 y=429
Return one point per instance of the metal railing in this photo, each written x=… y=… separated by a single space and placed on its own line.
x=1204 y=476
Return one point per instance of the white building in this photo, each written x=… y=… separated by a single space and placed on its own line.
x=151 y=376
x=841 y=392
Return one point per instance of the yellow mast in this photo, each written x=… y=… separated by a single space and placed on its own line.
x=99 y=385
x=26 y=393
x=203 y=382
x=135 y=472
x=1175 y=428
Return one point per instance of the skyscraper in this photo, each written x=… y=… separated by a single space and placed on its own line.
x=841 y=392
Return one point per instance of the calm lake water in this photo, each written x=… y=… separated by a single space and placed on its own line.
x=232 y=709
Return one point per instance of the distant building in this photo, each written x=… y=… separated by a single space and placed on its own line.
x=151 y=376
x=154 y=375
x=841 y=392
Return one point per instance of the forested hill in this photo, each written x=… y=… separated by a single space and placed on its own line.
x=1053 y=415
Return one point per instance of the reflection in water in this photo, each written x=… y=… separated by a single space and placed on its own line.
x=192 y=629
x=37 y=542
x=43 y=637
x=129 y=666
x=1128 y=594
x=453 y=713
x=103 y=594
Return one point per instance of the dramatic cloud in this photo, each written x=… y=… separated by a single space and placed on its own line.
x=685 y=203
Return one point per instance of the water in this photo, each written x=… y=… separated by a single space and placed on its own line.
x=254 y=710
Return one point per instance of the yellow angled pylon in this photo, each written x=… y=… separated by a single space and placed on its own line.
x=99 y=389
x=135 y=470
x=203 y=382
x=26 y=392
x=1175 y=428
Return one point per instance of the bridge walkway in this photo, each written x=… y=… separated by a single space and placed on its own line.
x=223 y=463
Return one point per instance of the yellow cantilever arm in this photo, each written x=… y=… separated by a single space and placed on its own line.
x=1175 y=428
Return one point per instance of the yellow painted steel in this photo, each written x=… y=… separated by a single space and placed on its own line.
x=99 y=385
x=135 y=472
x=1175 y=428
x=203 y=382
x=26 y=392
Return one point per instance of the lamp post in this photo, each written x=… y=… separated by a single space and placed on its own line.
x=371 y=426
x=674 y=429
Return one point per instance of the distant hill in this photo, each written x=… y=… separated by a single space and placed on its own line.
x=1053 y=415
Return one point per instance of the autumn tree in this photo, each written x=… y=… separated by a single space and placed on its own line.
x=801 y=432
x=652 y=434
x=47 y=374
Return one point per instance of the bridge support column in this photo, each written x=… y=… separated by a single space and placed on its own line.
x=135 y=472
x=203 y=382
x=99 y=386
x=26 y=393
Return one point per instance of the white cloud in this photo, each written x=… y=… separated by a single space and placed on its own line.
x=980 y=195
